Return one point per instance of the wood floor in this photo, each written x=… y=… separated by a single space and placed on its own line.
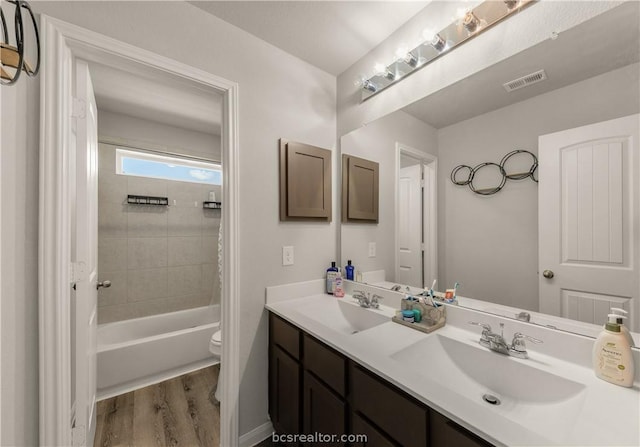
x=177 y=412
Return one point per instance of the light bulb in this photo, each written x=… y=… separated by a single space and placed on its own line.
x=428 y=34
x=461 y=12
x=470 y=22
x=383 y=70
x=511 y=3
x=401 y=52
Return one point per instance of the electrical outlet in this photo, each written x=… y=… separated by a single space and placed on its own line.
x=372 y=249
x=287 y=255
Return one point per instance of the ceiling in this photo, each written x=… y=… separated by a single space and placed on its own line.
x=163 y=101
x=604 y=43
x=332 y=35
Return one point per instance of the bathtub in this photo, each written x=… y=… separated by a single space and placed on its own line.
x=143 y=351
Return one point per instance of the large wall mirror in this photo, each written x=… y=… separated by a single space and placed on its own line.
x=490 y=243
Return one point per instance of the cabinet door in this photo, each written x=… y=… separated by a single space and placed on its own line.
x=284 y=392
x=401 y=418
x=445 y=433
x=324 y=412
x=361 y=428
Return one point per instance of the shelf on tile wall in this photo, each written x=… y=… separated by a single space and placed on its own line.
x=147 y=200
x=212 y=205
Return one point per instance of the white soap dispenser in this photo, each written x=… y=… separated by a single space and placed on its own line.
x=612 y=357
x=621 y=315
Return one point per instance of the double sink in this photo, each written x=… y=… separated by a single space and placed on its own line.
x=516 y=389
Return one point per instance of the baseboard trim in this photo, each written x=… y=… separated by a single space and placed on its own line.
x=256 y=435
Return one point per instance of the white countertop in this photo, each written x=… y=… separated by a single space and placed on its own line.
x=607 y=415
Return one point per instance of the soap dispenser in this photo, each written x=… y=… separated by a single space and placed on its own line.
x=612 y=356
x=621 y=315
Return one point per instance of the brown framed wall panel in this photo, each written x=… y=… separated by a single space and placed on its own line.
x=360 y=189
x=305 y=182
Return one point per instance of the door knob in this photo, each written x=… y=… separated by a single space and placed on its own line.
x=548 y=274
x=105 y=284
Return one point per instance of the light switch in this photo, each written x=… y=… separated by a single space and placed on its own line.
x=372 y=249
x=287 y=255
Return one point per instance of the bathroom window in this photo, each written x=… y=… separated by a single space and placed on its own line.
x=145 y=164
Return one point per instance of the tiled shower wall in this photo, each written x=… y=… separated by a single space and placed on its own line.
x=158 y=259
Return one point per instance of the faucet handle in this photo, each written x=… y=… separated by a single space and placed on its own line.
x=484 y=326
x=518 y=344
x=374 y=300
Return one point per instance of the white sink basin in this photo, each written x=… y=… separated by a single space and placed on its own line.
x=528 y=395
x=344 y=316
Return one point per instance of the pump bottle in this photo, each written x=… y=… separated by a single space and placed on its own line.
x=612 y=357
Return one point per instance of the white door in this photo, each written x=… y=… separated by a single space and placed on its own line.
x=409 y=225
x=85 y=258
x=588 y=215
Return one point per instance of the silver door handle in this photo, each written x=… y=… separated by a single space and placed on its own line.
x=105 y=284
x=548 y=274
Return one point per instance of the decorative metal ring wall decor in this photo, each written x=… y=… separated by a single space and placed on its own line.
x=457 y=177
x=13 y=56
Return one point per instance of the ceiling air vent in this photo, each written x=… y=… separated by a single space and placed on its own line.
x=525 y=81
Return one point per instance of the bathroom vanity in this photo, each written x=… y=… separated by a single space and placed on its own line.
x=338 y=368
x=341 y=396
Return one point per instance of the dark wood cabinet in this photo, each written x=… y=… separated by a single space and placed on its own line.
x=323 y=411
x=398 y=415
x=444 y=433
x=372 y=436
x=315 y=389
x=284 y=384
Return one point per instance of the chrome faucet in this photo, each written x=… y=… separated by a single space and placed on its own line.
x=366 y=300
x=497 y=343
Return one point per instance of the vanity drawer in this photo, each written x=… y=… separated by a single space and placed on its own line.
x=285 y=335
x=360 y=426
x=445 y=432
x=325 y=363
x=400 y=417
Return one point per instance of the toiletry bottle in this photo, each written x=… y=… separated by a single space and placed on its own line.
x=332 y=272
x=612 y=357
x=349 y=271
x=621 y=315
x=338 y=291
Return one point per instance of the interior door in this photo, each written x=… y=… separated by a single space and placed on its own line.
x=85 y=257
x=588 y=215
x=409 y=227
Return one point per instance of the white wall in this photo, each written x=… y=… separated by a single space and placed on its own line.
x=19 y=263
x=490 y=243
x=279 y=96
x=521 y=31
x=153 y=135
x=377 y=142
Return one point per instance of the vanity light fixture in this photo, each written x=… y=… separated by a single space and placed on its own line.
x=369 y=86
x=511 y=3
x=382 y=70
x=403 y=54
x=468 y=24
x=438 y=43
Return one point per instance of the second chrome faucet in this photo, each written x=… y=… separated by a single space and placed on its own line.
x=497 y=343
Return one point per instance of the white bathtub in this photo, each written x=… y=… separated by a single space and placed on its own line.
x=142 y=351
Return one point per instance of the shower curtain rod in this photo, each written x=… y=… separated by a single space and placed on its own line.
x=115 y=142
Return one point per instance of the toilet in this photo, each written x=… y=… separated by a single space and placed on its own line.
x=215 y=347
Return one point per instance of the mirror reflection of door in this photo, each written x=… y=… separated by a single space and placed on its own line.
x=588 y=221
x=416 y=251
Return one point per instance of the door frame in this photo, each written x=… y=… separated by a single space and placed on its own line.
x=430 y=225
x=62 y=43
